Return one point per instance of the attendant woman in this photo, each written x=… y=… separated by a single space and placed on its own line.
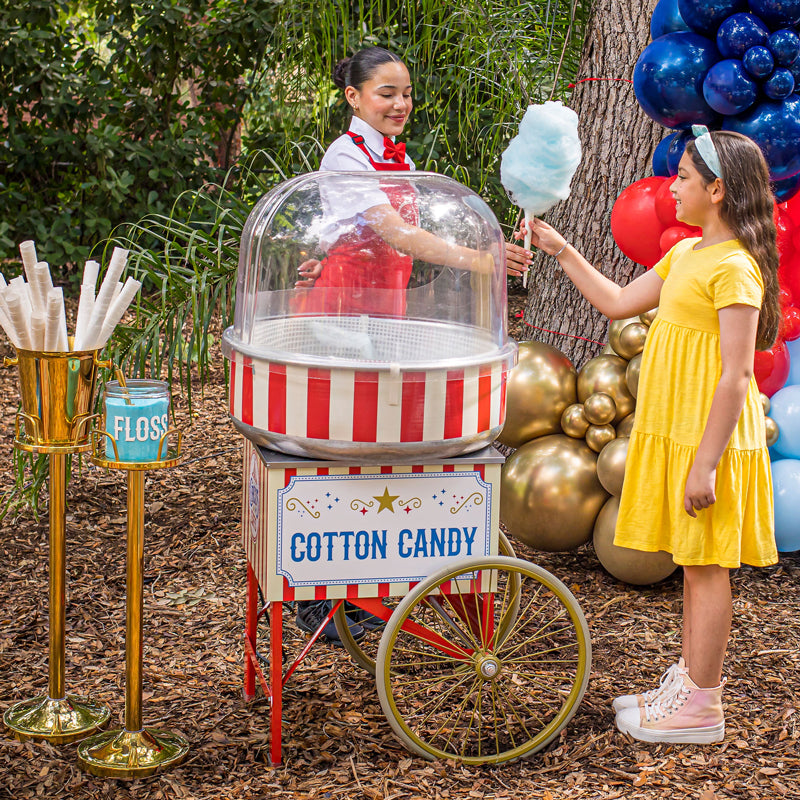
x=371 y=237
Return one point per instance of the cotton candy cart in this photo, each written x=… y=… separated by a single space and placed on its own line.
x=368 y=412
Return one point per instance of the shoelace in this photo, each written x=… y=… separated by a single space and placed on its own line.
x=670 y=699
x=671 y=674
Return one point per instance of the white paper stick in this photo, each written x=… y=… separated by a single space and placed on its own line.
x=103 y=300
x=41 y=282
x=23 y=290
x=37 y=330
x=27 y=250
x=52 y=335
x=117 y=309
x=3 y=287
x=63 y=337
x=5 y=322
x=90 y=272
x=16 y=315
x=85 y=306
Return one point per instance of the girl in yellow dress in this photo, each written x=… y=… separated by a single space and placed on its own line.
x=697 y=478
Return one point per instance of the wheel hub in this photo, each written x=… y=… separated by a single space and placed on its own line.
x=489 y=667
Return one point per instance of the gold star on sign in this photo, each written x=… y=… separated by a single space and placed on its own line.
x=385 y=500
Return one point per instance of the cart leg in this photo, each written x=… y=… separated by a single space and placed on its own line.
x=276 y=679
x=251 y=632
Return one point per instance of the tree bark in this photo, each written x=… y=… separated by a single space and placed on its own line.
x=618 y=140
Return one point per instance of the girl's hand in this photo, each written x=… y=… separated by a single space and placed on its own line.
x=518 y=259
x=309 y=272
x=544 y=236
x=700 y=491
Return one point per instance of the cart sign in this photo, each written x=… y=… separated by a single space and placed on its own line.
x=348 y=529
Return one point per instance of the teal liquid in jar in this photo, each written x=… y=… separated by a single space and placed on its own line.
x=137 y=416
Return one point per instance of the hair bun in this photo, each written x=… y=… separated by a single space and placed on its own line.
x=340 y=72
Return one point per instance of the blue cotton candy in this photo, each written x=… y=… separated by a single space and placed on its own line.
x=538 y=164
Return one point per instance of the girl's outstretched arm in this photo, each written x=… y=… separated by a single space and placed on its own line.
x=616 y=302
x=737 y=338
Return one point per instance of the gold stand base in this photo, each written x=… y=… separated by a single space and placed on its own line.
x=58 y=721
x=131 y=754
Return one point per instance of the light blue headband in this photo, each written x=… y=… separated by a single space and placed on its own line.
x=705 y=146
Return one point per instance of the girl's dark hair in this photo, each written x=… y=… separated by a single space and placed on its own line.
x=357 y=69
x=747 y=209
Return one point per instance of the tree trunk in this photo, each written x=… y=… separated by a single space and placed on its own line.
x=618 y=140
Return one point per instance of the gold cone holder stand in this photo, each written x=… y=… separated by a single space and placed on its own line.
x=133 y=751
x=57 y=392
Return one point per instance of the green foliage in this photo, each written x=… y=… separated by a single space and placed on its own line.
x=113 y=108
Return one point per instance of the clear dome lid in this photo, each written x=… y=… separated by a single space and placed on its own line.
x=371 y=268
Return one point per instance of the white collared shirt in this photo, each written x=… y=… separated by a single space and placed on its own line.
x=343 y=154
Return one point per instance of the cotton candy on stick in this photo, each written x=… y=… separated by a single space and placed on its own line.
x=537 y=166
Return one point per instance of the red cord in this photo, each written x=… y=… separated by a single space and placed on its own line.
x=558 y=333
x=573 y=85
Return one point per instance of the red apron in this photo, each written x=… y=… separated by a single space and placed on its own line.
x=361 y=273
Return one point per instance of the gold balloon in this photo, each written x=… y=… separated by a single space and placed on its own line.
x=632 y=374
x=648 y=317
x=574 y=422
x=772 y=431
x=607 y=349
x=631 y=340
x=598 y=436
x=550 y=494
x=615 y=328
x=625 y=427
x=600 y=408
x=765 y=402
x=607 y=374
x=611 y=465
x=631 y=566
x=539 y=388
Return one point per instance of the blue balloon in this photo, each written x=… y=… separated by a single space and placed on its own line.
x=660 y=156
x=784 y=408
x=705 y=16
x=739 y=33
x=780 y=84
x=777 y=13
x=675 y=151
x=795 y=70
x=785 y=46
x=774 y=126
x=773 y=455
x=784 y=190
x=727 y=87
x=759 y=61
x=668 y=80
x=794 y=363
x=666 y=19
x=786 y=489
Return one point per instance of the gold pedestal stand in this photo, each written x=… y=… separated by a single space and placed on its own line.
x=133 y=751
x=57 y=392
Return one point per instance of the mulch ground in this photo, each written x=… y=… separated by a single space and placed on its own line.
x=337 y=743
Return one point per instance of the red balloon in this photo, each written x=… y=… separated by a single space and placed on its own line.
x=789 y=274
x=771 y=368
x=784 y=295
x=634 y=224
x=665 y=204
x=790 y=324
x=792 y=207
x=785 y=230
x=672 y=236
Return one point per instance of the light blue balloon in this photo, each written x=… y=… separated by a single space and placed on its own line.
x=784 y=408
x=794 y=362
x=786 y=486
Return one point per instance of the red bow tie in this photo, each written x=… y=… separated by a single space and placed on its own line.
x=394 y=151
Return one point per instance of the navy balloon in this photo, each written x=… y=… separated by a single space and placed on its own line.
x=779 y=85
x=727 y=87
x=758 y=61
x=795 y=70
x=666 y=19
x=777 y=13
x=785 y=46
x=705 y=16
x=739 y=33
x=675 y=150
x=668 y=79
x=783 y=191
x=775 y=127
x=660 y=156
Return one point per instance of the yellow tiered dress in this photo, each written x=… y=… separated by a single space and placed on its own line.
x=680 y=368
